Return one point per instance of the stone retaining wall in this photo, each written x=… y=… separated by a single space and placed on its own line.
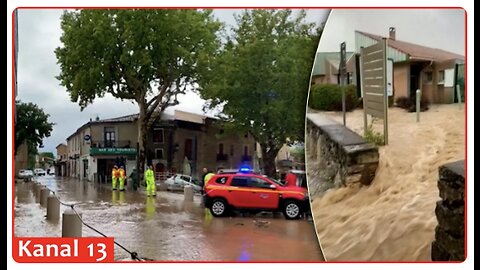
x=336 y=155
x=449 y=240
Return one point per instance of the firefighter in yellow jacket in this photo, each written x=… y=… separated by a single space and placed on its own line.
x=121 y=178
x=114 y=177
x=150 y=181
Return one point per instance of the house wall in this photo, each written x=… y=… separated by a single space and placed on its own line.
x=283 y=153
x=74 y=153
x=62 y=159
x=62 y=152
x=126 y=133
x=401 y=80
x=435 y=91
x=319 y=79
x=167 y=145
x=330 y=73
x=207 y=140
x=445 y=94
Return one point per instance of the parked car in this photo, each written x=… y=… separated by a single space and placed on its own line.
x=178 y=181
x=25 y=174
x=254 y=192
x=39 y=172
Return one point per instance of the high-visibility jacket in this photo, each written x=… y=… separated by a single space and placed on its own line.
x=149 y=177
x=121 y=173
x=115 y=173
x=208 y=177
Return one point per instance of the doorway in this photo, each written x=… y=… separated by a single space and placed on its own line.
x=415 y=70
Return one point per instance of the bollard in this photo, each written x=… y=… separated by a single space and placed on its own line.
x=34 y=187
x=53 y=208
x=130 y=184
x=44 y=196
x=188 y=193
x=38 y=191
x=71 y=224
x=418 y=96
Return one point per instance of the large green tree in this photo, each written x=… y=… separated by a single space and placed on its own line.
x=31 y=126
x=147 y=56
x=261 y=78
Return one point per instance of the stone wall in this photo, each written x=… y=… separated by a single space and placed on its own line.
x=336 y=155
x=449 y=240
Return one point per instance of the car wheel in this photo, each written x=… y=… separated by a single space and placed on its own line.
x=218 y=207
x=291 y=210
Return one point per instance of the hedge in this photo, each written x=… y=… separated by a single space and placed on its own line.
x=328 y=97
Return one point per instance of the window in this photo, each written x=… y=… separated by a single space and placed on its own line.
x=220 y=155
x=220 y=148
x=109 y=136
x=158 y=136
x=231 y=150
x=428 y=77
x=239 y=181
x=245 y=150
x=246 y=135
x=159 y=153
x=185 y=178
x=258 y=183
x=221 y=180
x=441 y=77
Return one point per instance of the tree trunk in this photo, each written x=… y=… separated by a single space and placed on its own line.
x=268 y=158
x=142 y=140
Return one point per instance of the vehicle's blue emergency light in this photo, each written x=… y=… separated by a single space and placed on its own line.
x=245 y=169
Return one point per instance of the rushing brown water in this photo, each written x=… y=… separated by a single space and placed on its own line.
x=167 y=228
x=394 y=218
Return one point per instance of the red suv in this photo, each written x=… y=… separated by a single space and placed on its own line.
x=250 y=191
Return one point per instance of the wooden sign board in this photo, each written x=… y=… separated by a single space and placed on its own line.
x=373 y=68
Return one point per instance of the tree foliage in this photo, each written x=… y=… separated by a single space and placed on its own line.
x=147 y=56
x=262 y=76
x=31 y=126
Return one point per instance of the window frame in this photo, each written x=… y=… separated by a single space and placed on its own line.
x=441 y=74
x=162 y=151
x=428 y=74
x=162 y=130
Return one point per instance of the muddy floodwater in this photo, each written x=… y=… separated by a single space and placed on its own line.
x=166 y=228
x=393 y=219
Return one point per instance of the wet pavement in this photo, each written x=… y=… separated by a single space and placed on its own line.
x=165 y=227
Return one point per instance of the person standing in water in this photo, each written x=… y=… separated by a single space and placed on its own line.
x=150 y=181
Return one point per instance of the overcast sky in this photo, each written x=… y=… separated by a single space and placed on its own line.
x=39 y=34
x=437 y=28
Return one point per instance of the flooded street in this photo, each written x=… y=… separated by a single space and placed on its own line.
x=165 y=228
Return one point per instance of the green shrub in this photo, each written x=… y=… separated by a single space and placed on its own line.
x=328 y=97
x=372 y=136
x=403 y=102
x=409 y=104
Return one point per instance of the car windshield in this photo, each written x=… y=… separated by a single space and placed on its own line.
x=276 y=181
